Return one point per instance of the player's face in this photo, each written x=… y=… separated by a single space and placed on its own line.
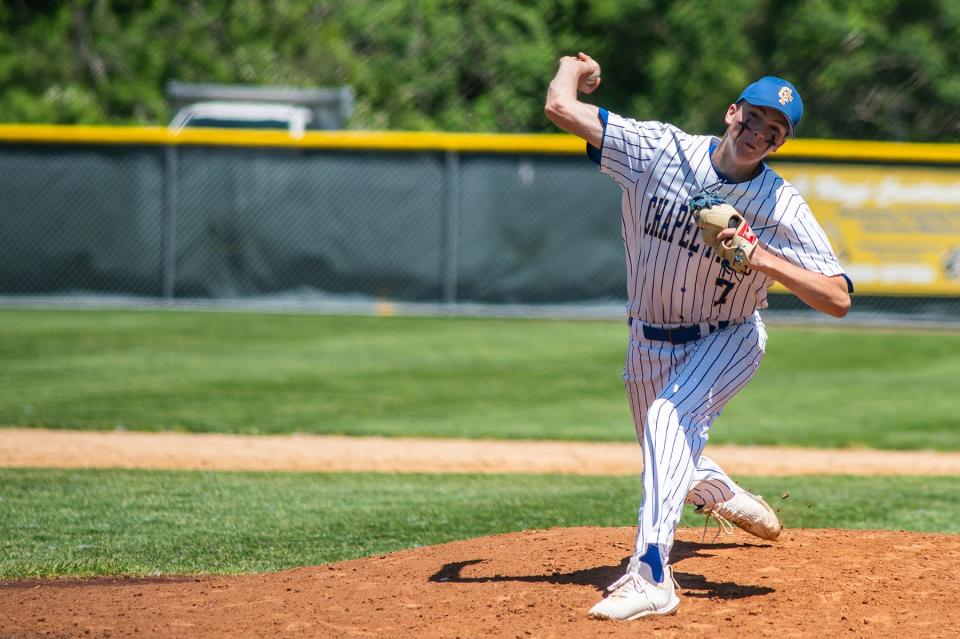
x=756 y=131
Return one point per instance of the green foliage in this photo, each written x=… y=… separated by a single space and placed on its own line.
x=450 y=377
x=70 y=522
x=872 y=69
x=881 y=68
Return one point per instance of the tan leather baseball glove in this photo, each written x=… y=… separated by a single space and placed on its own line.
x=714 y=215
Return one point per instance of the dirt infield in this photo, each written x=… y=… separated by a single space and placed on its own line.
x=811 y=583
x=31 y=447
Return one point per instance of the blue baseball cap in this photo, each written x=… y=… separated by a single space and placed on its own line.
x=776 y=93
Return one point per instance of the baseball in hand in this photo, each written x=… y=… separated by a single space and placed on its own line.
x=590 y=82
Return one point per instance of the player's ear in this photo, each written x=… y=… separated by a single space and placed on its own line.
x=728 y=117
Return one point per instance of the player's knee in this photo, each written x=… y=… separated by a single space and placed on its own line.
x=661 y=411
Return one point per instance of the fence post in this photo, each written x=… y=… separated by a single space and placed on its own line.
x=450 y=247
x=169 y=226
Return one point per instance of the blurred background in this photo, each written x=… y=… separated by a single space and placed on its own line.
x=410 y=167
x=869 y=69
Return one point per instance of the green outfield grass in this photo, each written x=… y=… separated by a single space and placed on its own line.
x=483 y=378
x=69 y=522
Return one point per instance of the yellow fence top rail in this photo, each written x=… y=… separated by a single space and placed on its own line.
x=840 y=150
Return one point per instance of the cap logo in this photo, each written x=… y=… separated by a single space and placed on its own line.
x=785 y=94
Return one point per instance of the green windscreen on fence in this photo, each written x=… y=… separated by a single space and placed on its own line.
x=258 y=222
x=217 y=222
x=81 y=219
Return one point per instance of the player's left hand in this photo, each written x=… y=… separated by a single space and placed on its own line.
x=726 y=231
x=738 y=251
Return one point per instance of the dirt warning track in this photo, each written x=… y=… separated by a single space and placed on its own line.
x=30 y=447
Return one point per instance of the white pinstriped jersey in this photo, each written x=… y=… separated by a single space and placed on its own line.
x=672 y=277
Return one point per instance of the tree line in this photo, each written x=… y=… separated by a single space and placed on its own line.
x=867 y=69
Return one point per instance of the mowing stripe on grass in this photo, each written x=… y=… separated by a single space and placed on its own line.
x=96 y=522
x=449 y=377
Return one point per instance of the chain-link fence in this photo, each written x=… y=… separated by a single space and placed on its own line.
x=510 y=232
x=81 y=220
x=205 y=222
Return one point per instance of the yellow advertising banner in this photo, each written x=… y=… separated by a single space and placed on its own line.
x=896 y=229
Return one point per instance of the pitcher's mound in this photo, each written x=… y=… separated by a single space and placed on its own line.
x=812 y=583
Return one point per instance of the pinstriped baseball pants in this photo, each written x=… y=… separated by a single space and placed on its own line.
x=675 y=393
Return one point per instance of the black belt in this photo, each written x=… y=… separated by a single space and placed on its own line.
x=679 y=335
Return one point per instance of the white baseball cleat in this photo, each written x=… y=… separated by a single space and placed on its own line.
x=748 y=512
x=633 y=597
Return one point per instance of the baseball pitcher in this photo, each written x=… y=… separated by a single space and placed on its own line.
x=707 y=228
